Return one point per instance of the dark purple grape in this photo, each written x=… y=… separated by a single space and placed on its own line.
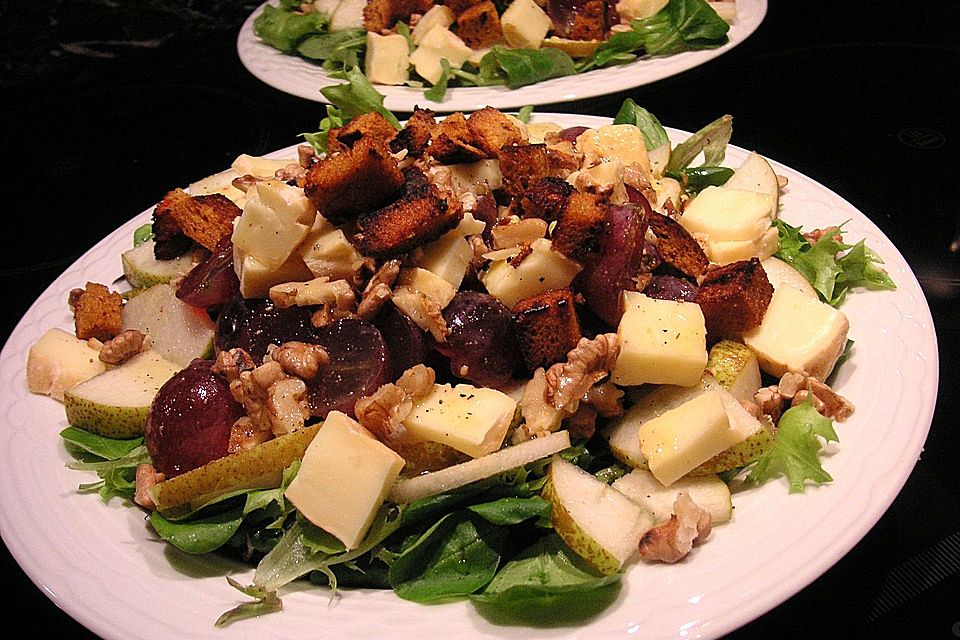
x=487 y=213
x=570 y=134
x=254 y=324
x=671 y=288
x=190 y=420
x=359 y=365
x=407 y=343
x=482 y=345
x=212 y=282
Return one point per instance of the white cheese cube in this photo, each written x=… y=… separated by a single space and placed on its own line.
x=470 y=419
x=525 y=24
x=661 y=341
x=726 y=9
x=256 y=278
x=439 y=42
x=348 y=15
x=257 y=166
x=387 y=59
x=543 y=269
x=798 y=333
x=429 y=284
x=681 y=439
x=727 y=251
x=476 y=177
x=537 y=131
x=343 y=479
x=327 y=252
x=438 y=14
x=720 y=213
x=275 y=220
x=60 y=360
x=447 y=257
x=623 y=142
x=639 y=9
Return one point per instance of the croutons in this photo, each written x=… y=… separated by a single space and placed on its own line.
x=479 y=25
x=590 y=21
x=415 y=135
x=346 y=184
x=522 y=165
x=733 y=298
x=546 y=198
x=451 y=142
x=676 y=246
x=580 y=226
x=459 y=6
x=421 y=215
x=547 y=327
x=490 y=128
x=97 y=312
x=372 y=125
x=169 y=241
x=383 y=14
x=204 y=219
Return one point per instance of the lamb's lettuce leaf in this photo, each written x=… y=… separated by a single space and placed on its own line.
x=284 y=30
x=654 y=135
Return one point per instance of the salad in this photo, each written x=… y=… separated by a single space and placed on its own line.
x=479 y=43
x=480 y=357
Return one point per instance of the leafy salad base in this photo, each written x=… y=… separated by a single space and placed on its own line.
x=136 y=586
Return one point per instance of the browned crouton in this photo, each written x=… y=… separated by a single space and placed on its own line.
x=451 y=142
x=344 y=185
x=421 y=215
x=491 y=129
x=546 y=199
x=205 y=219
x=168 y=238
x=97 y=312
x=733 y=298
x=522 y=165
x=383 y=14
x=580 y=225
x=547 y=327
x=676 y=246
x=479 y=25
x=371 y=124
x=459 y=6
x=590 y=21
x=415 y=135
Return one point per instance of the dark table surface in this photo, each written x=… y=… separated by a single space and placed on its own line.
x=107 y=105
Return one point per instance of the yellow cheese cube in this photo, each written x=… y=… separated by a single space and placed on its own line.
x=681 y=439
x=720 y=213
x=727 y=251
x=798 y=333
x=639 y=9
x=343 y=479
x=482 y=175
x=256 y=278
x=257 y=166
x=425 y=282
x=275 y=220
x=543 y=269
x=58 y=361
x=623 y=142
x=447 y=257
x=439 y=42
x=470 y=419
x=387 y=60
x=327 y=252
x=661 y=341
x=438 y=14
x=525 y=24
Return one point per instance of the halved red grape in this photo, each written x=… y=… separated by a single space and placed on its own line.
x=407 y=343
x=359 y=365
x=671 y=288
x=482 y=345
x=213 y=281
x=254 y=324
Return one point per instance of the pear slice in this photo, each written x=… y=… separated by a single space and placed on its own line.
x=779 y=272
x=431 y=484
x=60 y=360
x=115 y=403
x=142 y=269
x=735 y=368
x=180 y=332
x=258 y=468
x=597 y=522
x=708 y=492
x=756 y=174
x=756 y=437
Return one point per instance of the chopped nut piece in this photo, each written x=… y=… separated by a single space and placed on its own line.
x=244 y=435
x=378 y=291
x=588 y=363
x=300 y=359
x=146 y=477
x=383 y=412
x=319 y=291
x=121 y=348
x=672 y=540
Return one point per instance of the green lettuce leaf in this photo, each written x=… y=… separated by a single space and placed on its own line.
x=284 y=30
x=654 y=135
x=711 y=140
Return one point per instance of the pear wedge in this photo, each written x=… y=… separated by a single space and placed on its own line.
x=180 y=332
x=708 y=492
x=779 y=272
x=736 y=368
x=260 y=467
x=115 y=403
x=142 y=269
x=597 y=522
x=756 y=174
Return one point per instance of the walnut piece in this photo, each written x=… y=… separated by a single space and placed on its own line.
x=587 y=363
x=121 y=348
x=672 y=540
x=146 y=477
x=383 y=412
x=795 y=388
x=378 y=290
x=300 y=359
x=319 y=291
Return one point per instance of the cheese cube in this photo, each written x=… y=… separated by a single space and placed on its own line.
x=275 y=220
x=60 y=360
x=327 y=252
x=256 y=278
x=798 y=333
x=438 y=14
x=681 y=439
x=427 y=283
x=348 y=15
x=661 y=341
x=525 y=24
x=720 y=214
x=483 y=175
x=258 y=166
x=439 y=42
x=470 y=419
x=623 y=142
x=221 y=183
x=447 y=257
x=543 y=269
x=387 y=59
x=727 y=251
x=639 y=9
x=343 y=479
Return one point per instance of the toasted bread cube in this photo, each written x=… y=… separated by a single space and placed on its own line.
x=345 y=184
x=204 y=219
x=522 y=166
x=415 y=135
x=546 y=199
x=677 y=247
x=383 y=14
x=169 y=239
x=580 y=225
x=590 y=22
x=420 y=216
x=97 y=312
x=491 y=129
x=372 y=125
x=479 y=25
x=452 y=142
x=547 y=327
x=459 y=6
x=734 y=298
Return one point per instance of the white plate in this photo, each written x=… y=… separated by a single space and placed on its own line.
x=303 y=78
x=103 y=565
